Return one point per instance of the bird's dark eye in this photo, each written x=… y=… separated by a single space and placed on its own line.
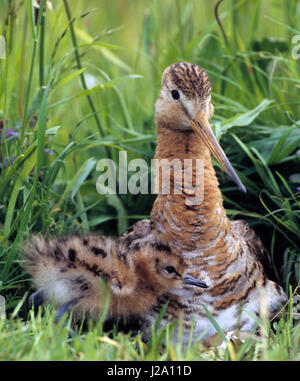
x=175 y=94
x=170 y=269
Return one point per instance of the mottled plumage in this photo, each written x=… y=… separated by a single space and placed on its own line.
x=225 y=254
x=85 y=271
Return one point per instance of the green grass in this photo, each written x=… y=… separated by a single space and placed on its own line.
x=40 y=339
x=82 y=86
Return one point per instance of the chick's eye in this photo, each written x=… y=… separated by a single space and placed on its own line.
x=175 y=94
x=170 y=269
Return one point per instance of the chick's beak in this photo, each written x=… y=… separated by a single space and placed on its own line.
x=188 y=279
x=202 y=128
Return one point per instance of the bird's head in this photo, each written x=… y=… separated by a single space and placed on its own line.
x=164 y=270
x=149 y=271
x=184 y=104
x=185 y=92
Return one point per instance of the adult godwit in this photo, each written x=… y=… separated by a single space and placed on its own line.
x=223 y=253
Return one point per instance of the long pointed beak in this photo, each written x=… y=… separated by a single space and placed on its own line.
x=188 y=279
x=202 y=128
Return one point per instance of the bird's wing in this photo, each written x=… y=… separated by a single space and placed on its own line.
x=137 y=235
x=137 y=231
x=254 y=243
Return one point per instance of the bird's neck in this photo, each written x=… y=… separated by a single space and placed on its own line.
x=194 y=218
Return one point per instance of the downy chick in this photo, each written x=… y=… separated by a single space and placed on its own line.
x=80 y=272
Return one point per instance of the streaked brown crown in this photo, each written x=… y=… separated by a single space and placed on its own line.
x=191 y=79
